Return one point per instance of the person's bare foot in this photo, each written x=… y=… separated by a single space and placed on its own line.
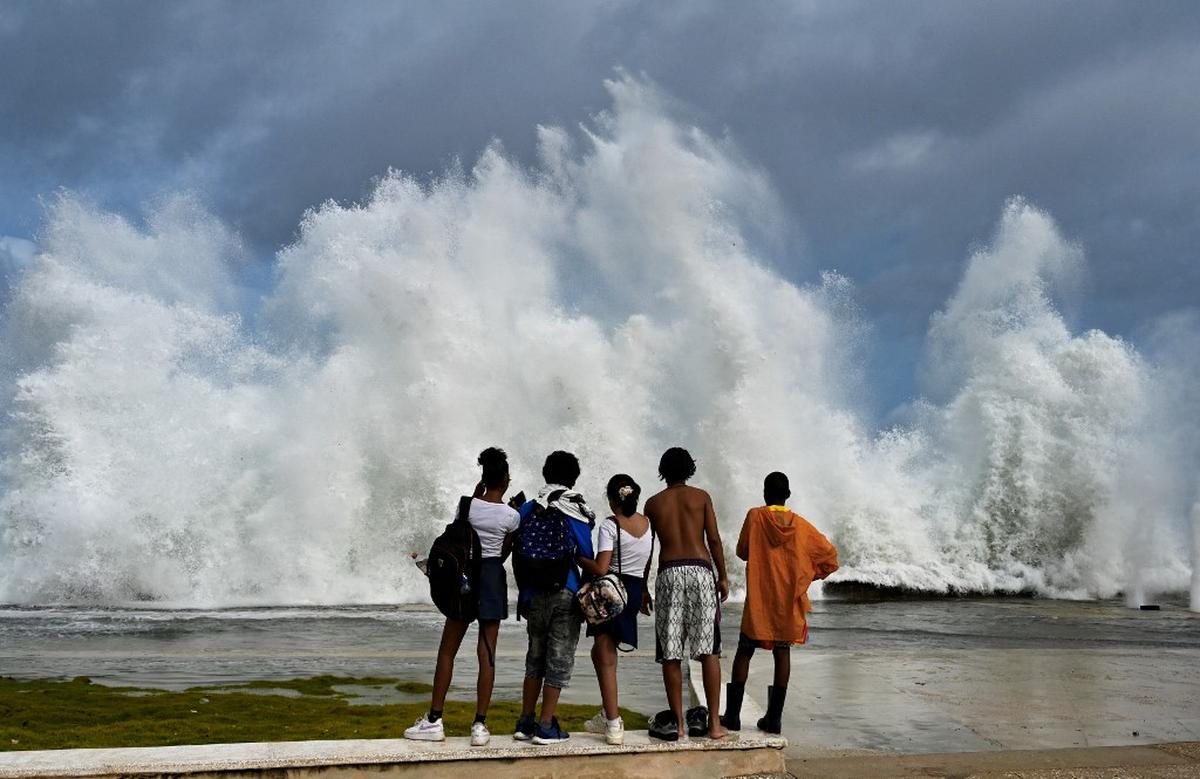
x=717 y=730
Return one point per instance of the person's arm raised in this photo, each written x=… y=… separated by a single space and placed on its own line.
x=713 y=535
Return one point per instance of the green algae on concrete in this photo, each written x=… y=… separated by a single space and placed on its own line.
x=54 y=714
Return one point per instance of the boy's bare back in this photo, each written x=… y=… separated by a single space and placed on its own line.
x=683 y=520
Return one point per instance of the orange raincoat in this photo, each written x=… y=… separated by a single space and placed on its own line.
x=784 y=554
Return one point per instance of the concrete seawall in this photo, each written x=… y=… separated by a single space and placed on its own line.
x=583 y=757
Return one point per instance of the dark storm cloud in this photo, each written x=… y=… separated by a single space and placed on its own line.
x=894 y=131
x=270 y=108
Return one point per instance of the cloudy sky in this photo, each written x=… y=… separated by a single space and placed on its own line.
x=893 y=131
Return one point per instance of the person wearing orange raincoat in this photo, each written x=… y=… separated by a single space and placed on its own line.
x=784 y=554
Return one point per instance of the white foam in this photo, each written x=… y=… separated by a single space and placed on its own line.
x=1195 y=599
x=608 y=301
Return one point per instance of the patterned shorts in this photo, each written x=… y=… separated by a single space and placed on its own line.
x=687 y=620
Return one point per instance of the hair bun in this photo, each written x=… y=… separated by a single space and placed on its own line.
x=492 y=456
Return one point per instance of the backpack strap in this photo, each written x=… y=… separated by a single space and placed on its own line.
x=573 y=545
x=464 y=509
x=463 y=516
x=618 y=524
x=649 y=558
x=553 y=498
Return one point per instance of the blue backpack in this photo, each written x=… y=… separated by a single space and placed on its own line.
x=544 y=552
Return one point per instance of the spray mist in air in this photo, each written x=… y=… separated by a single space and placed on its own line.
x=607 y=300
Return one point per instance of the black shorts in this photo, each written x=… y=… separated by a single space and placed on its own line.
x=745 y=643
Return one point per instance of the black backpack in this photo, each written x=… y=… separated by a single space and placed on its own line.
x=544 y=552
x=453 y=567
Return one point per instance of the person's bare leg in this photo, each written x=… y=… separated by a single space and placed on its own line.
x=710 y=666
x=604 y=658
x=452 y=636
x=549 y=703
x=485 y=650
x=783 y=666
x=529 y=695
x=672 y=671
x=741 y=665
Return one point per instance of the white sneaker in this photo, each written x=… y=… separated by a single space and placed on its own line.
x=614 y=731
x=479 y=734
x=424 y=730
x=597 y=724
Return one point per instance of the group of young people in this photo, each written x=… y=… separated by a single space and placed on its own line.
x=782 y=551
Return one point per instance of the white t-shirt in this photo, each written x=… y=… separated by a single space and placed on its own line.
x=634 y=551
x=492 y=521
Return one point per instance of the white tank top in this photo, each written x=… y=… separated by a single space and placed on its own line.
x=635 y=551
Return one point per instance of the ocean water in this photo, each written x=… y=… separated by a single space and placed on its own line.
x=925 y=675
x=170 y=436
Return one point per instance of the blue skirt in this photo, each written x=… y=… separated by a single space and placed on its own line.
x=623 y=629
x=493 y=590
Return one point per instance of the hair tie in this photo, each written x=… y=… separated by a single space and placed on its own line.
x=625 y=492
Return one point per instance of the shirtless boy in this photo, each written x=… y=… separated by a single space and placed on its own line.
x=688 y=592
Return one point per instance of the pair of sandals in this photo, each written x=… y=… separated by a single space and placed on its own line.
x=665 y=726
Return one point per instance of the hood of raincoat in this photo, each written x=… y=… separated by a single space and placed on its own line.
x=778 y=534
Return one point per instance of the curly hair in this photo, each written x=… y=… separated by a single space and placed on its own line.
x=561 y=468
x=676 y=465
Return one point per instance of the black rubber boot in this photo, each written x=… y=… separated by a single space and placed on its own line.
x=732 y=718
x=772 y=722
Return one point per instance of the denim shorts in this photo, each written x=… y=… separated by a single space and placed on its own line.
x=493 y=590
x=553 y=621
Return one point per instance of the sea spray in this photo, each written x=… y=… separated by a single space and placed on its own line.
x=1195 y=599
x=614 y=300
